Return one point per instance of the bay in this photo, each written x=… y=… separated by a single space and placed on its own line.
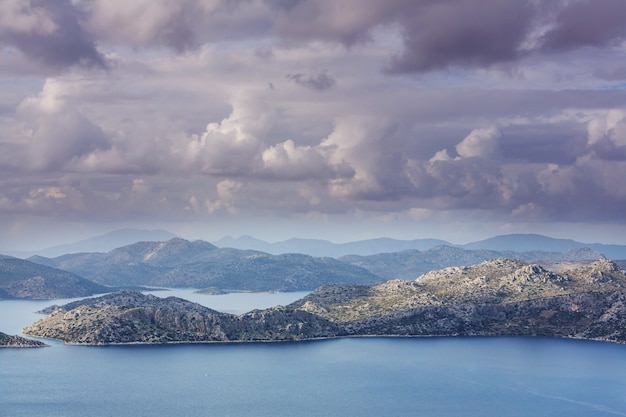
x=437 y=377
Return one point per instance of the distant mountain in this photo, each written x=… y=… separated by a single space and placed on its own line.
x=410 y=264
x=513 y=242
x=180 y=263
x=102 y=243
x=316 y=247
x=24 y=279
x=531 y=242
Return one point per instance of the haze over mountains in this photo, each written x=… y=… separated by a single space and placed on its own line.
x=101 y=243
x=180 y=263
x=513 y=242
x=319 y=247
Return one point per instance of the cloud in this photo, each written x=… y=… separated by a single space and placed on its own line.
x=319 y=81
x=58 y=133
x=481 y=142
x=583 y=23
x=286 y=161
x=349 y=21
x=49 y=32
x=232 y=146
x=461 y=33
x=607 y=135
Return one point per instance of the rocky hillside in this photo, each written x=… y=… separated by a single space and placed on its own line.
x=410 y=264
x=24 y=279
x=499 y=297
x=132 y=317
x=18 y=341
x=180 y=263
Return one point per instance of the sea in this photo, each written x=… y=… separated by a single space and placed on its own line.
x=364 y=377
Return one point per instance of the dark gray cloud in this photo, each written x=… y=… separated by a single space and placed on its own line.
x=50 y=32
x=319 y=81
x=467 y=33
x=587 y=23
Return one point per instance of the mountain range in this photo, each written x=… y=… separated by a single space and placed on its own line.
x=409 y=264
x=497 y=297
x=199 y=264
x=511 y=242
x=325 y=248
x=180 y=263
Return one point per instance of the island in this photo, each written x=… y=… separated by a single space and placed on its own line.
x=496 y=297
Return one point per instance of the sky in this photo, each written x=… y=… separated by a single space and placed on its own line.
x=342 y=120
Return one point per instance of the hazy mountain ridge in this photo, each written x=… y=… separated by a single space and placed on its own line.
x=101 y=243
x=410 y=264
x=325 y=248
x=531 y=242
x=199 y=264
x=501 y=243
x=498 y=297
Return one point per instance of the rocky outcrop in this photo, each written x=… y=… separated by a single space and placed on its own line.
x=132 y=317
x=498 y=297
x=18 y=342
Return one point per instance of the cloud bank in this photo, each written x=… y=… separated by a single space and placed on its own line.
x=400 y=112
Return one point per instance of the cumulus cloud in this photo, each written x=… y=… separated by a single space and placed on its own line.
x=481 y=142
x=607 y=135
x=58 y=133
x=232 y=146
x=290 y=162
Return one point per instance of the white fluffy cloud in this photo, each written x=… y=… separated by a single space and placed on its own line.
x=481 y=142
x=610 y=125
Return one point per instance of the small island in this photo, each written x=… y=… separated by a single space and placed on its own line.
x=7 y=341
x=494 y=298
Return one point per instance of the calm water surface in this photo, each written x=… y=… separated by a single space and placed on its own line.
x=346 y=377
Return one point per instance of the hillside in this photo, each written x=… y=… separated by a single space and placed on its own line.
x=498 y=297
x=24 y=279
x=132 y=317
x=199 y=264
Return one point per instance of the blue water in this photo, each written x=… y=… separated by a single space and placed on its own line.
x=503 y=376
